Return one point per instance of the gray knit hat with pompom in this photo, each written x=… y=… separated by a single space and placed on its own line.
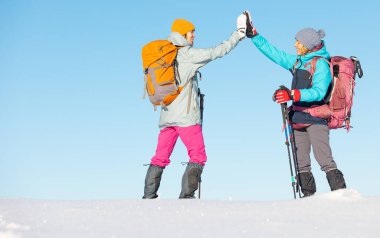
x=310 y=38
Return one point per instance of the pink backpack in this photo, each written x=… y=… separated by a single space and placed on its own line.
x=337 y=111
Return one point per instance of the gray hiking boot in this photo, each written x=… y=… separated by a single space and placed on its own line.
x=152 y=181
x=190 y=180
x=335 y=179
x=307 y=183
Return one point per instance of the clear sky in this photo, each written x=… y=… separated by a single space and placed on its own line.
x=73 y=124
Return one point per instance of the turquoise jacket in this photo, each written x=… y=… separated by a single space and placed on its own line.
x=322 y=75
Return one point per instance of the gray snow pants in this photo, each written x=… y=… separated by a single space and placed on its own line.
x=317 y=137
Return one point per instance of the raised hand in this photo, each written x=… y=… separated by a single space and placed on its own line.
x=250 y=29
x=241 y=25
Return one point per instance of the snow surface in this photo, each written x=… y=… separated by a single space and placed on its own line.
x=343 y=213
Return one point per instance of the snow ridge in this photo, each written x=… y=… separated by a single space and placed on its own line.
x=342 y=213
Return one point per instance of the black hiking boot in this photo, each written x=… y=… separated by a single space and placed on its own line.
x=190 y=180
x=335 y=179
x=307 y=183
x=152 y=181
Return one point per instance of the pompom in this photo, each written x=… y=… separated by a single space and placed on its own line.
x=321 y=33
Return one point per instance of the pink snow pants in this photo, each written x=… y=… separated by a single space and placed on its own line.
x=192 y=138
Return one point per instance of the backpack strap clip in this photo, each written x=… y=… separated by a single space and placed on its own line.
x=145 y=82
x=358 y=67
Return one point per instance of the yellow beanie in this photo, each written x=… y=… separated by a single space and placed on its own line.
x=182 y=26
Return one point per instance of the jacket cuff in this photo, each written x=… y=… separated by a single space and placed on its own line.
x=296 y=95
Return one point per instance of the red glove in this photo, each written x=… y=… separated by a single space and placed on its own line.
x=284 y=94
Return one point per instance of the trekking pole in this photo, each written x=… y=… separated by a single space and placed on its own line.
x=294 y=151
x=288 y=129
x=199 y=187
x=284 y=109
x=201 y=102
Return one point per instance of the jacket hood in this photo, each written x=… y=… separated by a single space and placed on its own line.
x=321 y=53
x=177 y=39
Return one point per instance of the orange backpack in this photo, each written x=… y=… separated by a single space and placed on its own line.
x=159 y=63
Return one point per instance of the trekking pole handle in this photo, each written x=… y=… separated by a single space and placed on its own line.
x=282 y=87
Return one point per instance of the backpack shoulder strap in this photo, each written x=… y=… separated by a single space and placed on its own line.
x=313 y=64
x=293 y=70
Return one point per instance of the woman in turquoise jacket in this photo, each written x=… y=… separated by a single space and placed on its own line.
x=307 y=90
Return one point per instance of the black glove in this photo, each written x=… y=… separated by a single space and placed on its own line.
x=251 y=30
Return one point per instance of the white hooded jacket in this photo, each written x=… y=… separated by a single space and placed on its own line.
x=189 y=60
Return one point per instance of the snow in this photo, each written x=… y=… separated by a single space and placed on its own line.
x=342 y=213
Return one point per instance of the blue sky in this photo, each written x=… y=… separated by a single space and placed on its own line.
x=73 y=124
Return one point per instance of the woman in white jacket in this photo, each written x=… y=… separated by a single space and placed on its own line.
x=182 y=117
